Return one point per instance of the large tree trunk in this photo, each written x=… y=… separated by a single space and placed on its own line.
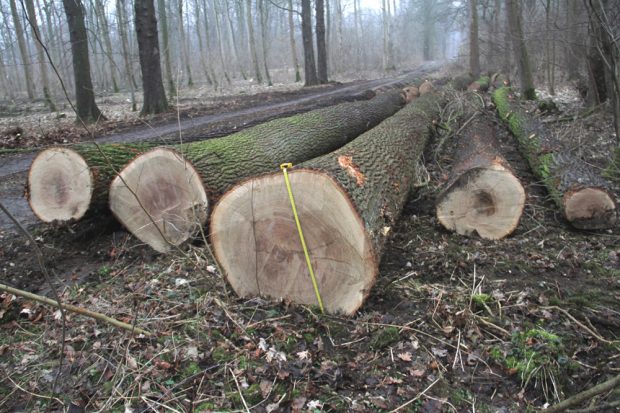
x=321 y=46
x=150 y=66
x=347 y=202
x=87 y=110
x=308 y=44
x=225 y=161
x=482 y=194
x=581 y=194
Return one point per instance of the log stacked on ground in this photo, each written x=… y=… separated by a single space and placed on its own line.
x=482 y=194
x=66 y=183
x=166 y=221
x=347 y=202
x=581 y=194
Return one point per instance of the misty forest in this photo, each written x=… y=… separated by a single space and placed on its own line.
x=309 y=206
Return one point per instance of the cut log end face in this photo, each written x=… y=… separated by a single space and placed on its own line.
x=590 y=208
x=486 y=201
x=159 y=197
x=256 y=241
x=60 y=185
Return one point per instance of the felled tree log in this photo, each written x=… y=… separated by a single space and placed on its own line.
x=156 y=213
x=581 y=194
x=66 y=183
x=482 y=194
x=347 y=202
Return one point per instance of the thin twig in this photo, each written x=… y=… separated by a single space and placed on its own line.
x=585 y=395
x=580 y=324
x=402 y=406
x=239 y=389
x=72 y=308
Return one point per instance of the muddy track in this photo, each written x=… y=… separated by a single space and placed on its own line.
x=13 y=168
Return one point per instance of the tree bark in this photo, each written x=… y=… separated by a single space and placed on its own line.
x=23 y=50
x=36 y=34
x=347 y=202
x=321 y=47
x=310 y=74
x=225 y=161
x=87 y=110
x=150 y=66
x=163 y=21
x=581 y=194
x=482 y=194
x=519 y=48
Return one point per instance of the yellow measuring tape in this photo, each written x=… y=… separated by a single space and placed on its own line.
x=284 y=168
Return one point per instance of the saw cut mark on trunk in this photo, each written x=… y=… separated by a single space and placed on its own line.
x=159 y=197
x=60 y=185
x=270 y=259
x=587 y=205
x=482 y=194
x=486 y=201
x=345 y=220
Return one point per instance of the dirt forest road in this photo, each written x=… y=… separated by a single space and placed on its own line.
x=13 y=168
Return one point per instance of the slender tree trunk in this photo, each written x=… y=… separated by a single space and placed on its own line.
x=291 y=34
x=87 y=110
x=122 y=27
x=264 y=29
x=163 y=22
x=23 y=49
x=36 y=34
x=574 y=55
x=150 y=65
x=105 y=32
x=201 y=46
x=207 y=26
x=235 y=42
x=358 y=34
x=474 y=50
x=321 y=47
x=7 y=38
x=306 y=32
x=252 y=42
x=184 y=48
x=520 y=50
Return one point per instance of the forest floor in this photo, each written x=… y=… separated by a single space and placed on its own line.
x=454 y=324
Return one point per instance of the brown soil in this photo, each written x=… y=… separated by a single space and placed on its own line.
x=454 y=324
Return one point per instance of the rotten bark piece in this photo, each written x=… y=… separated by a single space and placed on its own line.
x=347 y=202
x=581 y=194
x=223 y=162
x=482 y=194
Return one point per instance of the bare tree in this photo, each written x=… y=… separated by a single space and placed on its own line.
x=163 y=22
x=252 y=41
x=23 y=49
x=148 y=46
x=321 y=47
x=87 y=110
x=105 y=33
x=34 y=26
x=122 y=23
x=474 y=49
x=262 y=9
x=526 y=81
x=184 y=48
x=306 y=33
x=291 y=33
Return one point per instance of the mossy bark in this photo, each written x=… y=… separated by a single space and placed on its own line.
x=562 y=173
